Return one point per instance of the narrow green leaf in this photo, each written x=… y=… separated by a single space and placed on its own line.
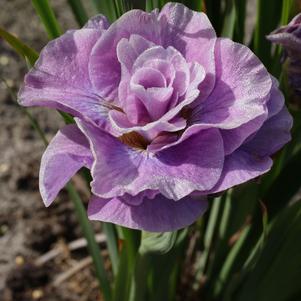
x=208 y=239
x=127 y=263
x=79 y=12
x=139 y=281
x=159 y=243
x=136 y=4
x=222 y=278
x=47 y=17
x=287 y=6
x=121 y=289
x=23 y=50
x=264 y=220
x=215 y=14
x=236 y=215
x=92 y=244
x=111 y=236
x=229 y=19
x=241 y=8
x=196 y=5
x=268 y=17
x=276 y=275
x=107 y=8
x=285 y=186
x=163 y=269
x=132 y=241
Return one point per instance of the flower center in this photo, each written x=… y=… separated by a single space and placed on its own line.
x=135 y=140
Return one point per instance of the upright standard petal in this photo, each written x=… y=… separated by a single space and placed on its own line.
x=192 y=34
x=195 y=164
x=60 y=77
x=155 y=215
x=104 y=67
x=65 y=155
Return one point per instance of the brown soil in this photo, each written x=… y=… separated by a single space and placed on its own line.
x=27 y=229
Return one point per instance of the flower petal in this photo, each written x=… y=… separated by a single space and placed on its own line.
x=192 y=34
x=236 y=99
x=176 y=172
x=60 y=77
x=155 y=215
x=99 y=22
x=239 y=168
x=271 y=137
x=65 y=155
x=234 y=138
x=104 y=65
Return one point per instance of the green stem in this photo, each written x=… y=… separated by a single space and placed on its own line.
x=127 y=263
x=228 y=264
x=208 y=238
x=91 y=242
x=109 y=230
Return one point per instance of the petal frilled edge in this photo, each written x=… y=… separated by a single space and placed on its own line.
x=67 y=152
x=60 y=77
x=176 y=172
x=241 y=91
x=104 y=67
x=192 y=34
x=239 y=168
x=155 y=215
x=272 y=136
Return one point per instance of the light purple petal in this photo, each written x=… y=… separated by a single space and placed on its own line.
x=272 y=136
x=104 y=66
x=60 y=78
x=192 y=34
x=129 y=49
x=120 y=124
x=234 y=138
x=157 y=215
x=176 y=172
x=242 y=88
x=239 y=168
x=99 y=22
x=65 y=155
x=289 y=35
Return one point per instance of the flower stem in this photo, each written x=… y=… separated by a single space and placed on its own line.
x=91 y=242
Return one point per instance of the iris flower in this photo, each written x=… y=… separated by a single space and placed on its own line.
x=165 y=114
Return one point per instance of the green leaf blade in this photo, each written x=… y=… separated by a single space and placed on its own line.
x=47 y=17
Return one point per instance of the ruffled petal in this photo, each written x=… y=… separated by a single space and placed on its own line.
x=272 y=136
x=60 y=77
x=239 y=168
x=235 y=99
x=104 y=67
x=65 y=155
x=155 y=215
x=176 y=172
x=234 y=138
x=192 y=34
x=99 y=22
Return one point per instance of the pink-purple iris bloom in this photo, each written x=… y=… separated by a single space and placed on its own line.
x=166 y=114
x=289 y=36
